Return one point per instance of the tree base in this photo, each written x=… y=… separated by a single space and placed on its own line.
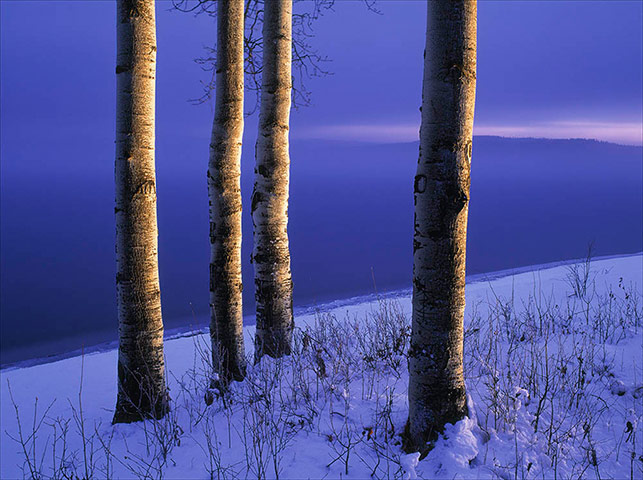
x=423 y=440
x=412 y=445
x=126 y=412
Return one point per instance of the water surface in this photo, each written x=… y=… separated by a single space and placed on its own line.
x=351 y=214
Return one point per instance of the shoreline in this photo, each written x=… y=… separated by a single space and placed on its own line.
x=189 y=331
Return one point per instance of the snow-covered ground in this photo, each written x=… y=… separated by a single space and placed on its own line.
x=554 y=373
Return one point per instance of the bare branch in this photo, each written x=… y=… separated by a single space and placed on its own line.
x=307 y=61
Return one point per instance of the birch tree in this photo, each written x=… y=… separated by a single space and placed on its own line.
x=271 y=255
x=436 y=381
x=141 y=370
x=224 y=188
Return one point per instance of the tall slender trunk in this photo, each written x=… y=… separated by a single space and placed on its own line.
x=224 y=188
x=141 y=368
x=271 y=255
x=436 y=384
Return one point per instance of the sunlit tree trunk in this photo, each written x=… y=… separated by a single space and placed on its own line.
x=271 y=256
x=436 y=383
x=224 y=187
x=141 y=370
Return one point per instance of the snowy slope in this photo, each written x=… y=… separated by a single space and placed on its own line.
x=553 y=366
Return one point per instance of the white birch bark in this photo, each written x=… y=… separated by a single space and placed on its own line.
x=141 y=370
x=436 y=380
x=224 y=188
x=271 y=255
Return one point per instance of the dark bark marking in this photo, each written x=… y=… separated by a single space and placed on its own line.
x=148 y=187
x=420 y=183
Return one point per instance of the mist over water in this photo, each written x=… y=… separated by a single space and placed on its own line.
x=351 y=219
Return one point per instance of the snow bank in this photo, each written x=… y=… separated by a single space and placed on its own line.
x=339 y=410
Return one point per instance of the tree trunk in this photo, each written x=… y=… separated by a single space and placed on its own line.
x=224 y=188
x=436 y=380
x=141 y=368
x=271 y=255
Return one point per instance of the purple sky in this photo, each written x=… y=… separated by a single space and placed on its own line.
x=545 y=69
